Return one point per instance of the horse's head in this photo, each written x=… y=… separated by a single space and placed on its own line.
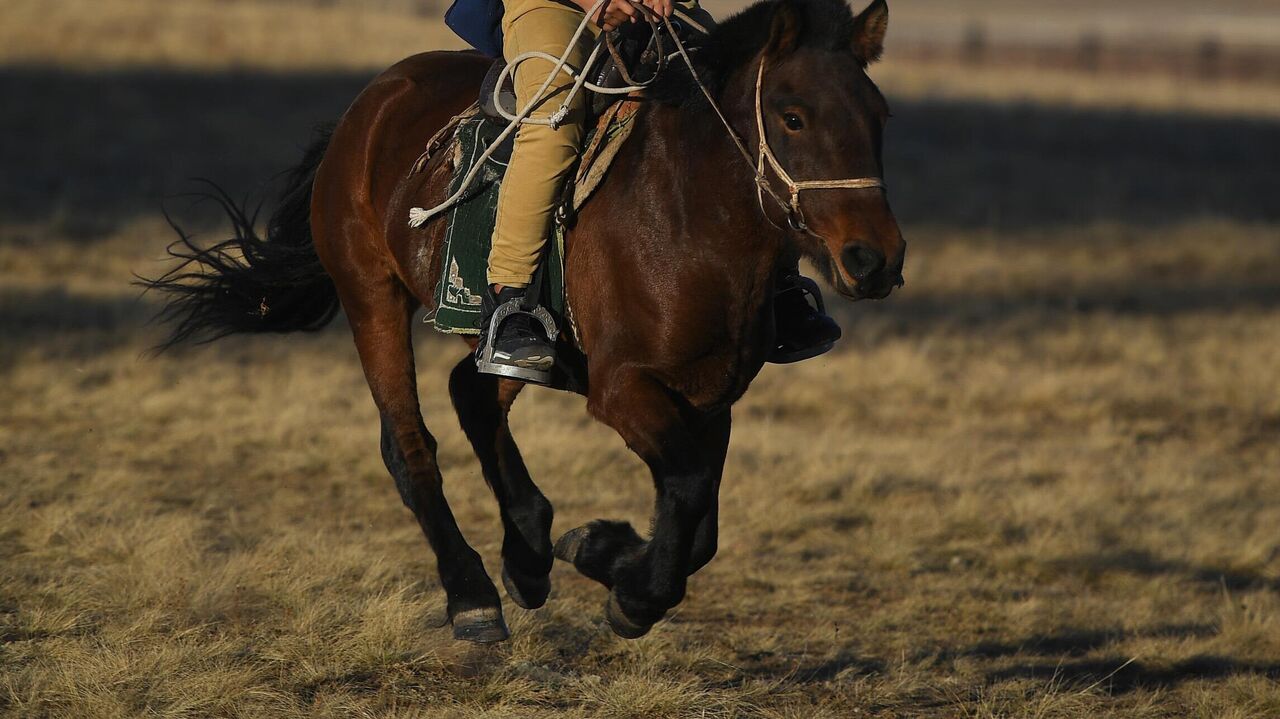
x=824 y=119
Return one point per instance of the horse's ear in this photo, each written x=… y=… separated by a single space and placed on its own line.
x=784 y=33
x=869 y=29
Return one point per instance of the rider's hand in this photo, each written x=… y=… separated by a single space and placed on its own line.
x=613 y=14
x=662 y=7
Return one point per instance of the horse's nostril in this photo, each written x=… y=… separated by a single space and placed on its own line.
x=860 y=261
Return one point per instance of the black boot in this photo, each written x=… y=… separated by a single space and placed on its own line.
x=803 y=330
x=521 y=348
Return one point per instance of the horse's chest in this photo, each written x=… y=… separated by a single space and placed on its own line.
x=725 y=353
x=716 y=386
x=720 y=374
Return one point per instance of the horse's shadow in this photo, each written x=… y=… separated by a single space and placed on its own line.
x=1145 y=564
x=1119 y=675
x=1062 y=657
x=1072 y=642
x=1070 y=657
x=845 y=663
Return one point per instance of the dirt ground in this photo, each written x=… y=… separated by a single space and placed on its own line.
x=1042 y=480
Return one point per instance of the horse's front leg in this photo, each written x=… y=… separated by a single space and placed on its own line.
x=685 y=451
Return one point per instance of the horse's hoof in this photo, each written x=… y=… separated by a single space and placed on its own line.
x=570 y=543
x=528 y=592
x=619 y=623
x=483 y=626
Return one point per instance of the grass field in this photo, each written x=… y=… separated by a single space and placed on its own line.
x=1042 y=480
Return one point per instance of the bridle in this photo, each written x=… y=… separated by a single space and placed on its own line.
x=765 y=156
x=795 y=217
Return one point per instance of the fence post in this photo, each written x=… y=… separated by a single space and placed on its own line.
x=974 y=47
x=1209 y=58
x=1090 y=51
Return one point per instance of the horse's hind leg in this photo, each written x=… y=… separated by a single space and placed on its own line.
x=380 y=317
x=482 y=403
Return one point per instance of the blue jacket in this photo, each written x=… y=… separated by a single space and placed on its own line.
x=479 y=22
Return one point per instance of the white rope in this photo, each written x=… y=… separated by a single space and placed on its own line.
x=419 y=216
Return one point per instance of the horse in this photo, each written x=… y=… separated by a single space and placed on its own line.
x=669 y=270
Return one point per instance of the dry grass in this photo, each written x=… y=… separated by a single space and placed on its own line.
x=1038 y=482
x=1006 y=507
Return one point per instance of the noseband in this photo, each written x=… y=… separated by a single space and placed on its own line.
x=795 y=217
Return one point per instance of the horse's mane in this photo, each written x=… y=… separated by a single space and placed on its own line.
x=821 y=24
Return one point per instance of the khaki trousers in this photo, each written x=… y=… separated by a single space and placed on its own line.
x=541 y=157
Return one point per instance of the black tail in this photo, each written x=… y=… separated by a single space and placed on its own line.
x=248 y=284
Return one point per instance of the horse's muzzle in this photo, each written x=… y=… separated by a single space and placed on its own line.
x=876 y=287
x=872 y=279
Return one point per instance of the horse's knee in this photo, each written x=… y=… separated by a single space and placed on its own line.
x=414 y=471
x=392 y=456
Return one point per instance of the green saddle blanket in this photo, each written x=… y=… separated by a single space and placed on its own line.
x=470 y=222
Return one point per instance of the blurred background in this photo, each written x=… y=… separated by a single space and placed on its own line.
x=1161 y=110
x=1040 y=480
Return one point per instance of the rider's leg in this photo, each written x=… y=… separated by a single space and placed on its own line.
x=541 y=156
x=540 y=160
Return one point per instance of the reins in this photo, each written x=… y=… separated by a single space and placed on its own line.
x=765 y=156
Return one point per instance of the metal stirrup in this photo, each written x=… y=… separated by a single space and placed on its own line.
x=484 y=353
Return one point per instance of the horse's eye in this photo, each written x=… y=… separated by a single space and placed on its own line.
x=793 y=122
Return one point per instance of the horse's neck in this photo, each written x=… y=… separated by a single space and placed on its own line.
x=676 y=230
x=711 y=182
x=714 y=215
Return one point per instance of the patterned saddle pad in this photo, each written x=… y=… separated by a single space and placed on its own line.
x=470 y=228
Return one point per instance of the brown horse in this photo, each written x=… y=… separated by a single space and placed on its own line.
x=670 y=273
